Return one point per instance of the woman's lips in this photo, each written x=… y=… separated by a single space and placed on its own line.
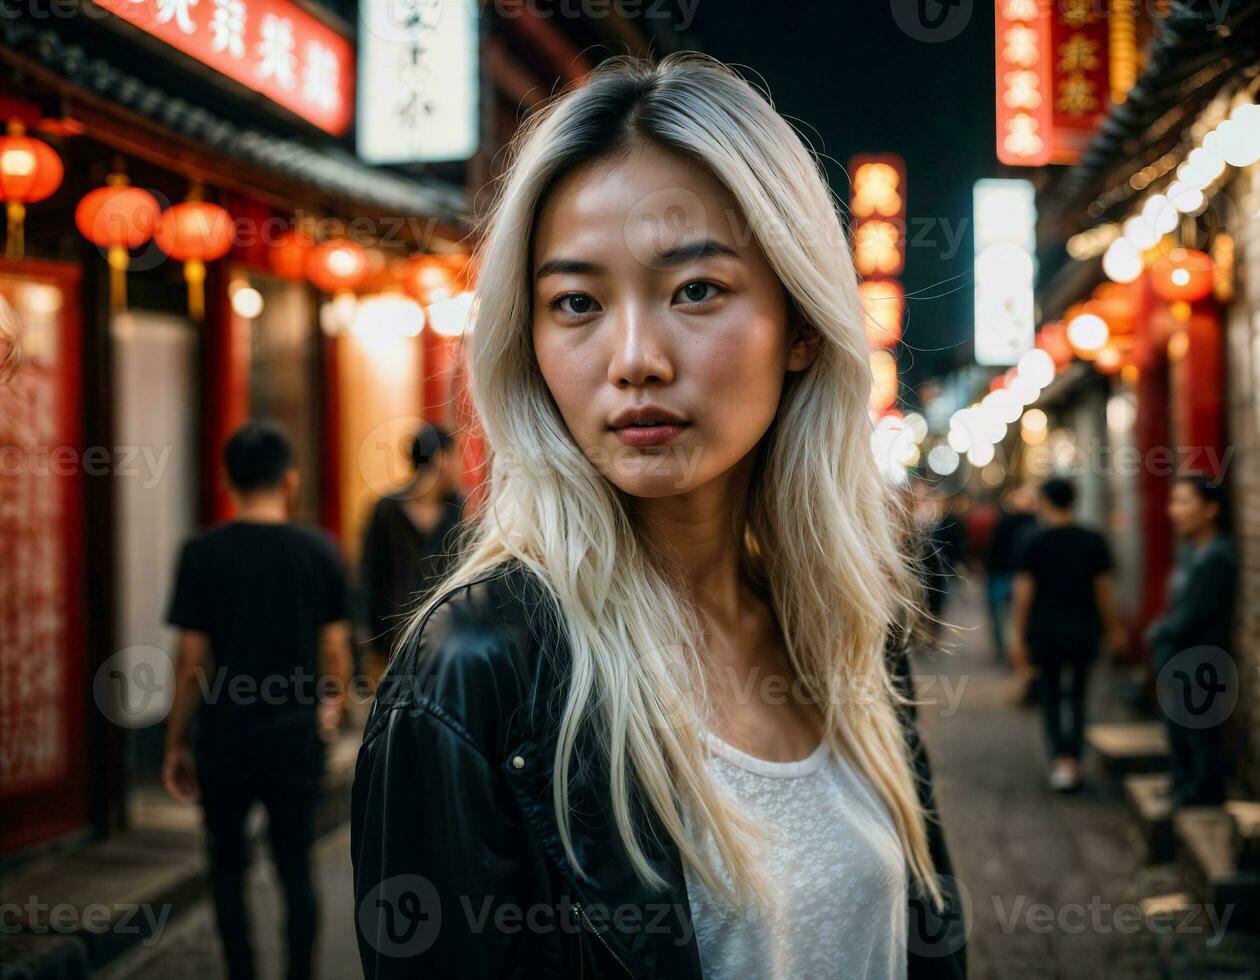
x=640 y=436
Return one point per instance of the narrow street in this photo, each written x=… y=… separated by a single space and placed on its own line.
x=1055 y=882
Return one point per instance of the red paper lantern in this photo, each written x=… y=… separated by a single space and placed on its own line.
x=429 y=278
x=195 y=232
x=1182 y=275
x=30 y=170
x=336 y=265
x=117 y=217
x=288 y=256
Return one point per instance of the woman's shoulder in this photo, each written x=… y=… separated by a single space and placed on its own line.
x=475 y=658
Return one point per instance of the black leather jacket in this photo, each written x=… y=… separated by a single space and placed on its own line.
x=458 y=866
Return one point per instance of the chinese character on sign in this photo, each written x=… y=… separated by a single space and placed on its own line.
x=1076 y=95
x=180 y=10
x=1077 y=13
x=1078 y=53
x=275 y=50
x=321 y=82
x=1021 y=47
x=1022 y=90
x=227 y=27
x=1022 y=137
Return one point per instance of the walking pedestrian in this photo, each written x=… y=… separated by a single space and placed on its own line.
x=1064 y=602
x=659 y=710
x=410 y=541
x=1194 y=638
x=261 y=609
x=1016 y=521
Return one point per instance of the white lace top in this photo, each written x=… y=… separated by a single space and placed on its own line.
x=838 y=868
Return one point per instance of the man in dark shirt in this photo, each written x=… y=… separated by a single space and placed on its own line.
x=264 y=659
x=410 y=542
x=1064 y=602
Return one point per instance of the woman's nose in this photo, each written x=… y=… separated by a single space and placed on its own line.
x=640 y=349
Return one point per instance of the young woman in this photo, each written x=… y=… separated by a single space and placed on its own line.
x=1193 y=639
x=655 y=722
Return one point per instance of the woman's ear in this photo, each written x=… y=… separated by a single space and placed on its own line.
x=806 y=342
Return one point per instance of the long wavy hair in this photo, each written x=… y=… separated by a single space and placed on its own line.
x=821 y=542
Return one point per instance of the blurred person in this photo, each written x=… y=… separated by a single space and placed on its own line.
x=1197 y=626
x=1064 y=602
x=1017 y=519
x=410 y=541
x=673 y=379
x=945 y=550
x=264 y=658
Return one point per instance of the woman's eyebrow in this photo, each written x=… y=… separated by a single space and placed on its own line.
x=700 y=248
x=570 y=267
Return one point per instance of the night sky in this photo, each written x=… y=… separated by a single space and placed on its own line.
x=847 y=72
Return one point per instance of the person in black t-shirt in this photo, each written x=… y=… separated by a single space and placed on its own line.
x=264 y=659
x=1063 y=604
x=410 y=542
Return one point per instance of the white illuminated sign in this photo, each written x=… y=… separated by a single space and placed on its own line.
x=418 y=74
x=1005 y=217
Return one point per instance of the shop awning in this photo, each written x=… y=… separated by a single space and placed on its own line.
x=104 y=97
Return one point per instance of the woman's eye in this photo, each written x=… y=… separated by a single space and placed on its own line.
x=697 y=291
x=574 y=304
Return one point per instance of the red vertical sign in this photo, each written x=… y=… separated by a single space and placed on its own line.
x=1023 y=83
x=42 y=577
x=1079 y=66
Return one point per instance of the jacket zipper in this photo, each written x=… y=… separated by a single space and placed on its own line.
x=581 y=913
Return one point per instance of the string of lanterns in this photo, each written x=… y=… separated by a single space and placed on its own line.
x=119 y=218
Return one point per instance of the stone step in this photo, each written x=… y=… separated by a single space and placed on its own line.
x=1147 y=796
x=1206 y=843
x=1127 y=748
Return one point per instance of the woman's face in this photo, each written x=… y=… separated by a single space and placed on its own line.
x=1187 y=511
x=650 y=292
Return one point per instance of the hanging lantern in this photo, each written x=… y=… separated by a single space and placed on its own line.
x=117 y=217
x=1182 y=275
x=433 y=278
x=1117 y=303
x=288 y=256
x=30 y=170
x=195 y=232
x=337 y=265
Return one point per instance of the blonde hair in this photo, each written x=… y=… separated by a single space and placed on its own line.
x=821 y=538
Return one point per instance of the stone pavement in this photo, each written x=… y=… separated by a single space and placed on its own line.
x=1055 y=882
x=189 y=948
